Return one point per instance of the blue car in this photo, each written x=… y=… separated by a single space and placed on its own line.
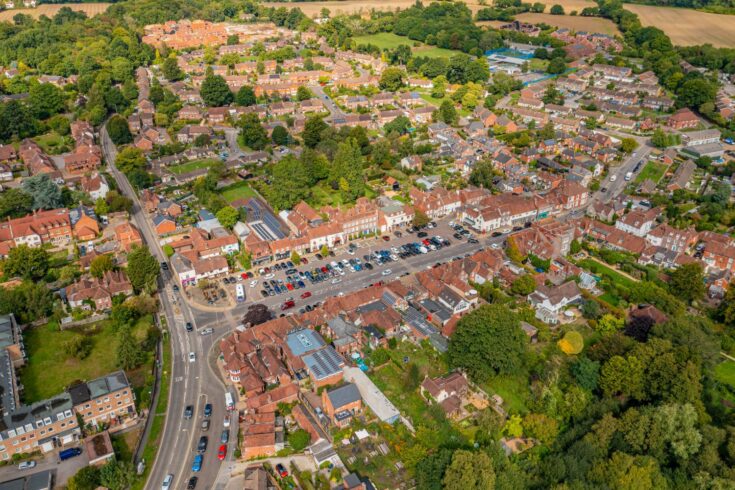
x=196 y=466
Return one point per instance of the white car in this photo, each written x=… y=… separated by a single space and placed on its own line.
x=226 y=422
x=27 y=465
x=336 y=280
x=613 y=178
x=253 y=283
x=387 y=272
x=167 y=482
x=270 y=276
x=495 y=246
x=192 y=357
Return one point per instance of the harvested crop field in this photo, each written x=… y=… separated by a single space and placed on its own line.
x=686 y=27
x=576 y=23
x=91 y=9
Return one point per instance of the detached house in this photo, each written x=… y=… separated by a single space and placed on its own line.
x=98 y=291
x=550 y=301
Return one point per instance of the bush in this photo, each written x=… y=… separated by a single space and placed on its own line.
x=298 y=440
x=572 y=343
x=78 y=346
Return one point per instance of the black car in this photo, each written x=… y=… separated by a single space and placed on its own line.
x=192 y=483
x=208 y=410
x=164 y=266
x=176 y=288
x=188 y=412
x=422 y=234
x=189 y=327
x=202 y=446
x=457 y=236
x=473 y=240
x=264 y=293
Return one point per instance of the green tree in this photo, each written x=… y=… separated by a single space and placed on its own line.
x=290 y=183
x=586 y=372
x=347 y=168
x=87 y=478
x=15 y=203
x=324 y=251
x=469 y=470
x=129 y=352
x=483 y=174
x=303 y=93
x=143 y=269
x=170 y=69
x=26 y=262
x=623 y=376
x=313 y=129
x=228 y=216
x=556 y=66
x=78 y=346
x=245 y=96
x=392 y=79
x=511 y=250
x=298 y=440
x=295 y=258
x=119 y=131
x=46 y=194
x=556 y=9
x=488 y=341
x=100 y=265
x=129 y=159
x=541 y=427
x=439 y=87
x=117 y=475
x=399 y=125
x=448 y=113
x=628 y=145
x=253 y=133
x=215 y=92
x=16 y=121
x=524 y=285
x=280 y=136
x=45 y=100
x=687 y=282
x=609 y=324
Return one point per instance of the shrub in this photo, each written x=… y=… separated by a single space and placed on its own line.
x=572 y=343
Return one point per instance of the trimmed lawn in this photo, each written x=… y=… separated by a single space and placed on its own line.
x=240 y=190
x=53 y=143
x=50 y=370
x=388 y=40
x=725 y=372
x=512 y=389
x=653 y=171
x=187 y=167
x=605 y=271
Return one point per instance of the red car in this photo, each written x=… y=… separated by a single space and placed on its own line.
x=306 y=295
x=287 y=305
x=386 y=238
x=222 y=452
x=289 y=286
x=325 y=270
x=304 y=261
x=282 y=471
x=244 y=275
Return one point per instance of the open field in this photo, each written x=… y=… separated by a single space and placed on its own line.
x=686 y=26
x=50 y=370
x=576 y=23
x=388 y=40
x=91 y=9
x=353 y=6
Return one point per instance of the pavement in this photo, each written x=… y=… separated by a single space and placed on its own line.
x=192 y=383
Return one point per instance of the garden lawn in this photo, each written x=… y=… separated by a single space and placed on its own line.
x=512 y=389
x=653 y=171
x=603 y=270
x=53 y=143
x=725 y=373
x=240 y=190
x=388 y=40
x=50 y=370
x=187 y=167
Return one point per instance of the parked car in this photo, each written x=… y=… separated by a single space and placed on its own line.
x=205 y=425
x=225 y=437
x=222 y=453
x=305 y=295
x=208 y=410
x=196 y=466
x=282 y=471
x=69 y=453
x=192 y=484
x=27 y=465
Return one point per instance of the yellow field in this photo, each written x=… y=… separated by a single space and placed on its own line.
x=686 y=27
x=91 y=10
x=312 y=9
x=576 y=23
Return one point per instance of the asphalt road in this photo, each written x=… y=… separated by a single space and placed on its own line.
x=618 y=186
x=192 y=383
